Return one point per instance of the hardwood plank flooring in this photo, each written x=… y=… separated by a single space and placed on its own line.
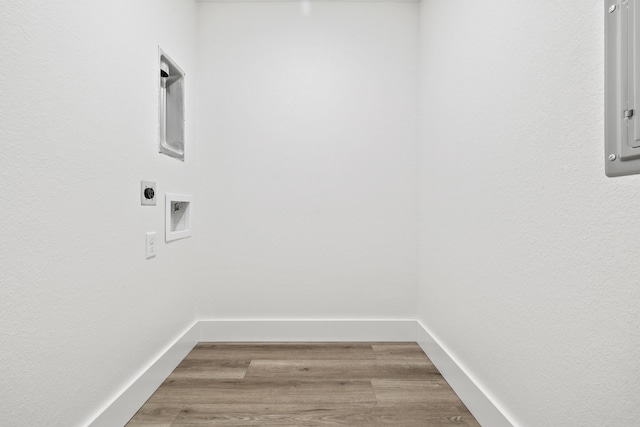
x=341 y=369
x=203 y=368
x=398 y=351
x=361 y=415
x=263 y=391
x=282 y=351
x=304 y=384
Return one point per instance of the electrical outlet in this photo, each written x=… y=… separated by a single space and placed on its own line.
x=151 y=244
x=147 y=193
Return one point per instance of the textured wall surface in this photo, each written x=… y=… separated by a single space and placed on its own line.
x=308 y=139
x=81 y=310
x=529 y=254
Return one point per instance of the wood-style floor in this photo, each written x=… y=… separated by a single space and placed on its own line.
x=304 y=384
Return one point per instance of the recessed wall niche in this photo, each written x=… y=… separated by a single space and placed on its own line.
x=171 y=107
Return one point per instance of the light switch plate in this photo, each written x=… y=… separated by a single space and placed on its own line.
x=148 y=193
x=151 y=244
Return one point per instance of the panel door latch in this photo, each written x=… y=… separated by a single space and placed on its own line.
x=628 y=114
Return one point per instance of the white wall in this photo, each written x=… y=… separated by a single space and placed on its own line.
x=306 y=197
x=529 y=254
x=307 y=134
x=81 y=310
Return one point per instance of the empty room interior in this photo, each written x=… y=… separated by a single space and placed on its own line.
x=184 y=177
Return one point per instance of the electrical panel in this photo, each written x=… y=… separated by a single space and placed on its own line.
x=622 y=87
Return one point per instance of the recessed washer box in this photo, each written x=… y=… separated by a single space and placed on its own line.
x=178 y=216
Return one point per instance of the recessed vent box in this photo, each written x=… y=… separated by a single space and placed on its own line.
x=171 y=110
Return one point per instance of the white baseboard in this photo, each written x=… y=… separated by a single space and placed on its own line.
x=120 y=410
x=477 y=401
x=307 y=330
x=126 y=403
